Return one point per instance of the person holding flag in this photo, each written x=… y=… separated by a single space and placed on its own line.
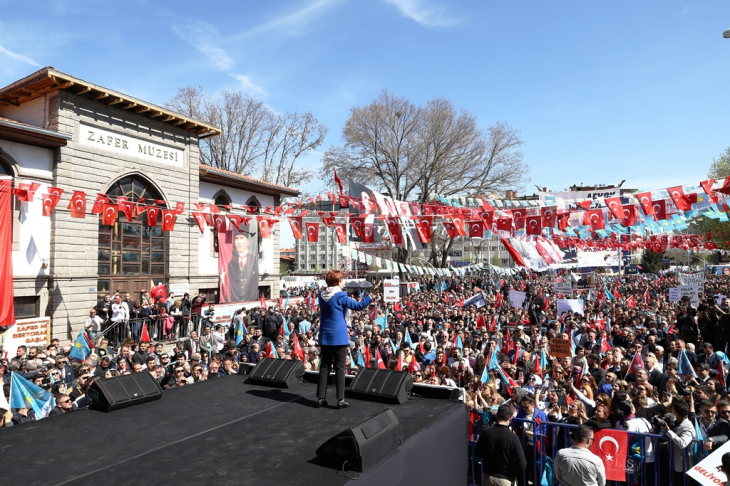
x=334 y=336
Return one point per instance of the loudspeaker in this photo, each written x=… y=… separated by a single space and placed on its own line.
x=281 y=373
x=109 y=394
x=381 y=385
x=361 y=446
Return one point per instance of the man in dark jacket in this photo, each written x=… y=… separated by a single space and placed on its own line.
x=715 y=428
x=501 y=450
x=271 y=325
x=63 y=405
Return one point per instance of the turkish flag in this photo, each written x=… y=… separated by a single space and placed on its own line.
x=488 y=218
x=459 y=223
x=680 y=198
x=629 y=217
x=612 y=446
x=312 y=232
x=298 y=351
x=265 y=225
x=424 y=227
x=126 y=207
x=563 y=219
x=659 y=209
x=534 y=225
x=54 y=191
x=595 y=219
x=549 y=216
x=110 y=214
x=296 y=227
x=49 y=203
x=153 y=214
x=237 y=219
x=631 y=302
x=707 y=186
x=341 y=232
x=214 y=208
x=450 y=229
x=26 y=191
x=368 y=233
x=200 y=220
x=179 y=207
x=145 y=336
x=519 y=217
x=328 y=221
x=396 y=231
x=220 y=222
x=476 y=228
x=168 y=219
x=504 y=224
x=617 y=209
x=101 y=200
x=357 y=223
x=646 y=203
x=78 y=204
x=157 y=291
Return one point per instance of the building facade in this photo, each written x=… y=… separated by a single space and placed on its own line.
x=59 y=131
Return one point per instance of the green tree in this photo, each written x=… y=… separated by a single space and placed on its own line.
x=651 y=261
x=719 y=170
x=283 y=268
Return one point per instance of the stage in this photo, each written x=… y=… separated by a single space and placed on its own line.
x=224 y=431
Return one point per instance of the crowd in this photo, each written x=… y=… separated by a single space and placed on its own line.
x=638 y=362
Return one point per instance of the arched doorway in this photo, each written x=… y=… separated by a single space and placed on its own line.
x=131 y=254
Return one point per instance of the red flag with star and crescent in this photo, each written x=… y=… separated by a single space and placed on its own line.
x=612 y=446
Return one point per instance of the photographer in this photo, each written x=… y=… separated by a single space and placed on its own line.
x=680 y=432
x=687 y=321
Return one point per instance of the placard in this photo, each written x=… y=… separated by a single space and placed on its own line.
x=179 y=289
x=563 y=287
x=691 y=291
x=28 y=332
x=697 y=279
x=561 y=348
x=707 y=471
x=516 y=298
x=391 y=289
x=565 y=305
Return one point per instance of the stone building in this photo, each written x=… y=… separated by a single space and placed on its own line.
x=61 y=131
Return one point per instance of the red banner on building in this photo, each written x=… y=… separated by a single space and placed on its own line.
x=612 y=446
x=7 y=310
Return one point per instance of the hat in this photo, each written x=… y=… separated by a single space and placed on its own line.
x=521 y=327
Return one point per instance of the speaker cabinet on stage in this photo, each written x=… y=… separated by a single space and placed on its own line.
x=281 y=373
x=109 y=394
x=381 y=385
x=361 y=446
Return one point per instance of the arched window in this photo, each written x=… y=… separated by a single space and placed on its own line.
x=131 y=254
x=5 y=166
x=221 y=198
x=254 y=204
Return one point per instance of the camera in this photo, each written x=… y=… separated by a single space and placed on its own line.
x=669 y=420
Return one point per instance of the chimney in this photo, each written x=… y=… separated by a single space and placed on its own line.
x=510 y=194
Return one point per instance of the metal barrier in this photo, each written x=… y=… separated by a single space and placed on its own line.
x=650 y=460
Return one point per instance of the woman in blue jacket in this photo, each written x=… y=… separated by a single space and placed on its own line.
x=334 y=338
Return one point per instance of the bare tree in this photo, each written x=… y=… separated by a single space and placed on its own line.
x=255 y=140
x=412 y=152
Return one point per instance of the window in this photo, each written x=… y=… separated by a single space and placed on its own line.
x=311 y=266
x=504 y=261
x=211 y=295
x=26 y=306
x=254 y=205
x=321 y=257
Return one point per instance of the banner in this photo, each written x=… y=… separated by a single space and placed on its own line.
x=612 y=447
x=691 y=291
x=477 y=300
x=697 y=279
x=562 y=287
x=561 y=348
x=34 y=331
x=565 y=305
x=516 y=298
x=570 y=196
x=597 y=258
x=7 y=310
x=238 y=262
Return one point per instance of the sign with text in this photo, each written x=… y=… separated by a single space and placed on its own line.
x=563 y=287
x=28 y=332
x=391 y=289
x=179 y=289
x=697 y=279
x=676 y=294
x=707 y=471
x=561 y=348
x=130 y=146
x=565 y=305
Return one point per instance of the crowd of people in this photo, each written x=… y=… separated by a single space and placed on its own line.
x=638 y=362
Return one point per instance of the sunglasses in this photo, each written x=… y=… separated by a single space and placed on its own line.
x=179 y=371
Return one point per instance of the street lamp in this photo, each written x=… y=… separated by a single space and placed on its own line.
x=726 y=34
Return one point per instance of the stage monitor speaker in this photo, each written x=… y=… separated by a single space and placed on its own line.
x=281 y=373
x=109 y=394
x=362 y=446
x=381 y=385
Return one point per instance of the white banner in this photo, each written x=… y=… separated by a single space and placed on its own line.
x=562 y=287
x=707 y=471
x=597 y=258
x=569 y=196
x=516 y=298
x=565 y=305
x=28 y=332
x=697 y=279
x=391 y=289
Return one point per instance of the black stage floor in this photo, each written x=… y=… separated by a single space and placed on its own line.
x=224 y=431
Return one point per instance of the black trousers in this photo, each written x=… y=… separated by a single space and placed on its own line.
x=336 y=355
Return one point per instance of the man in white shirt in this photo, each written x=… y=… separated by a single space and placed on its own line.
x=93 y=323
x=120 y=310
x=578 y=466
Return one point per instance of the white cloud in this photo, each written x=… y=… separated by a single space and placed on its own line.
x=19 y=57
x=247 y=86
x=293 y=23
x=203 y=37
x=426 y=15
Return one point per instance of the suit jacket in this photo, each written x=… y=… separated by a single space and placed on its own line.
x=537 y=415
x=655 y=377
x=204 y=344
x=681 y=438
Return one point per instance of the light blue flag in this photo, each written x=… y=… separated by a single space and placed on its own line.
x=459 y=344
x=240 y=332
x=360 y=361
x=382 y=321
x=25 y=394
x=685 y=367
x=392 y=345
x=485 y=375
x=493 y=363
x=80 y=350
x=286 y=303
x=407 y=338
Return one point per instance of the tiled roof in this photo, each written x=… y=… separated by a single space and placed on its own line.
x=209 y=168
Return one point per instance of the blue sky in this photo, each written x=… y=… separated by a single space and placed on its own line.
x=600 y=91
